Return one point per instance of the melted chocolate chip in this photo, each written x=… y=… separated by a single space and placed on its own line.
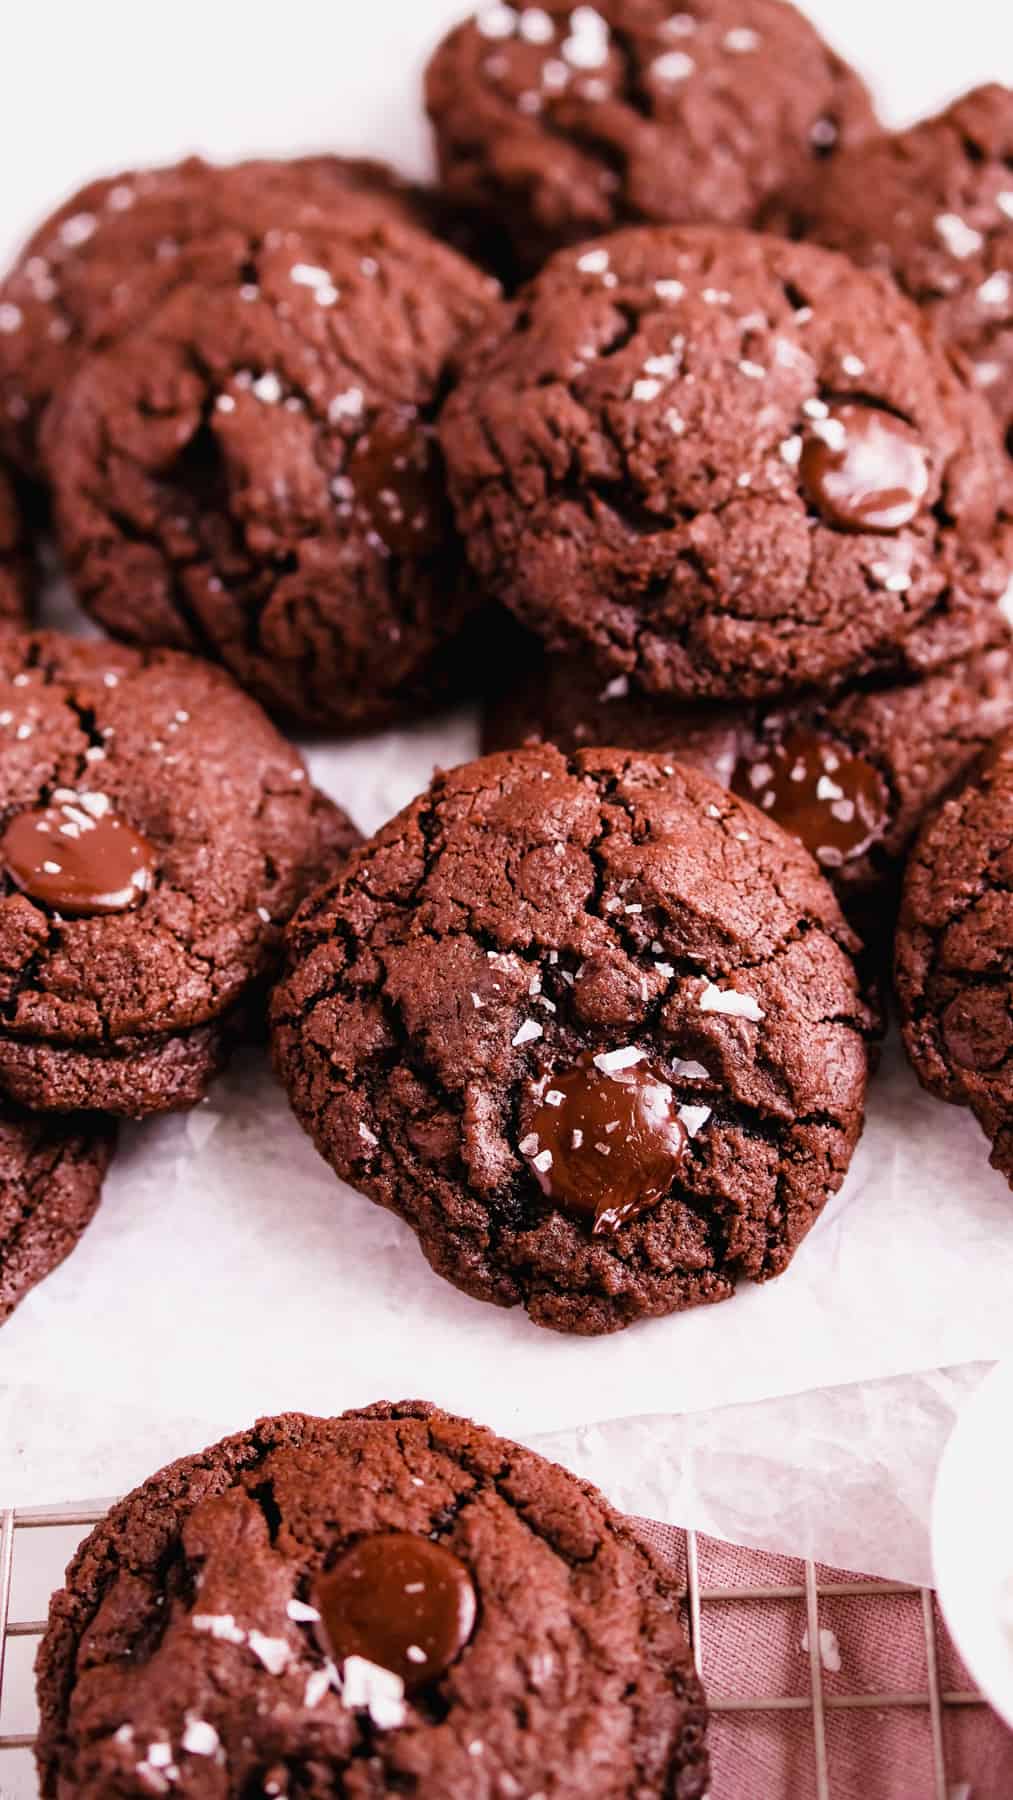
x=605 y=1144
x=401 y=1602
x=834 y=801
x=863 y=469
x=393 y=482
x=78 y=856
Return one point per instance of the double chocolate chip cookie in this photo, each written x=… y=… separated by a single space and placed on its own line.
x=729 y=466
x=388 y=1602
x=954 y=956
x=51 y=1173
x=590 y=1025
x=559 y=120
x=101 y=263
x=933 y=207
x=14 y=559
x=252 y=473
x=851 y=776
x=156 y=833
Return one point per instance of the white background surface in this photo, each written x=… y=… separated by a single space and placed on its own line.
x=92 y=88
x=89 y=88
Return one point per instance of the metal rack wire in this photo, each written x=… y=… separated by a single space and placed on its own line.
x=703 y=1605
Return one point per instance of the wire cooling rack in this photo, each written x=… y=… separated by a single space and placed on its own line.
x=709 y=1605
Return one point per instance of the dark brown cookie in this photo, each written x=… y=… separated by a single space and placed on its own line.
x=933 y=207
x=14 y=559
x=393 y=1601
x=108 y=256
x=51 y=1173
x=253 y=472
x=851 y=777
x=156 y=833
x=558 y=121
x=589 y=1025
x=954 y=958
x=728 y=465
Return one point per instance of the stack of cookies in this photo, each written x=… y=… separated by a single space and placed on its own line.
x=675 y=426
x=715 y=519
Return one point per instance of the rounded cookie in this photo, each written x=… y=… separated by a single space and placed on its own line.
x=51 y=1173
x=728 y=465
x=14 y=558
x=106 y=257
x=851 y=777
x=560 y=121
x=390 y=1601
x=933 y=208
x=253 y=472
x=590 y=1025
x=954 y=964
x=156 y=832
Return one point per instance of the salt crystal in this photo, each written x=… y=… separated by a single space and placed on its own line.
x=674 y=65
x=199 y=1738
x=730 y=1001
x=366 y=1687
x=528 y=1032
x=960 y=238
x=536 y=26
x=611 y=1061
x=496 y=21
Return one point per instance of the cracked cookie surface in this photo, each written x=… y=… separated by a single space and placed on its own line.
x=187 y=1639
x=933 y=208
x=253 y=473
x=852 y=777
x=14 y=559
x=954 y=966
x=727 y=465
x=51 y=1173
x=559 y=121
x=530 y=930
x=102 y=262
x=157 y=833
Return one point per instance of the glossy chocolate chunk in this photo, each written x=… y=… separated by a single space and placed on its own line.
x=400 y=1601
x=835 y=802
x=604 y=1138
x=78 y=856
x=864 y=469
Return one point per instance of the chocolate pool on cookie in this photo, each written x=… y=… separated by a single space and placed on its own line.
x=590 y=1024
x=156 y=832
x=394 y=1600
x=556 y=121
x=253 y=473
x=727 y=466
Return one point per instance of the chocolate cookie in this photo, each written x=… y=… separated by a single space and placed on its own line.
x=558 y=121
x=253 y=474
x=51 y=1173
x=954 y=961
x=155 y=834
x=933 y=207
x=590 y=1025
x=108 y=256
x=728 y=465
x=14 y=559
x=850 y=777
x=388 y=1602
